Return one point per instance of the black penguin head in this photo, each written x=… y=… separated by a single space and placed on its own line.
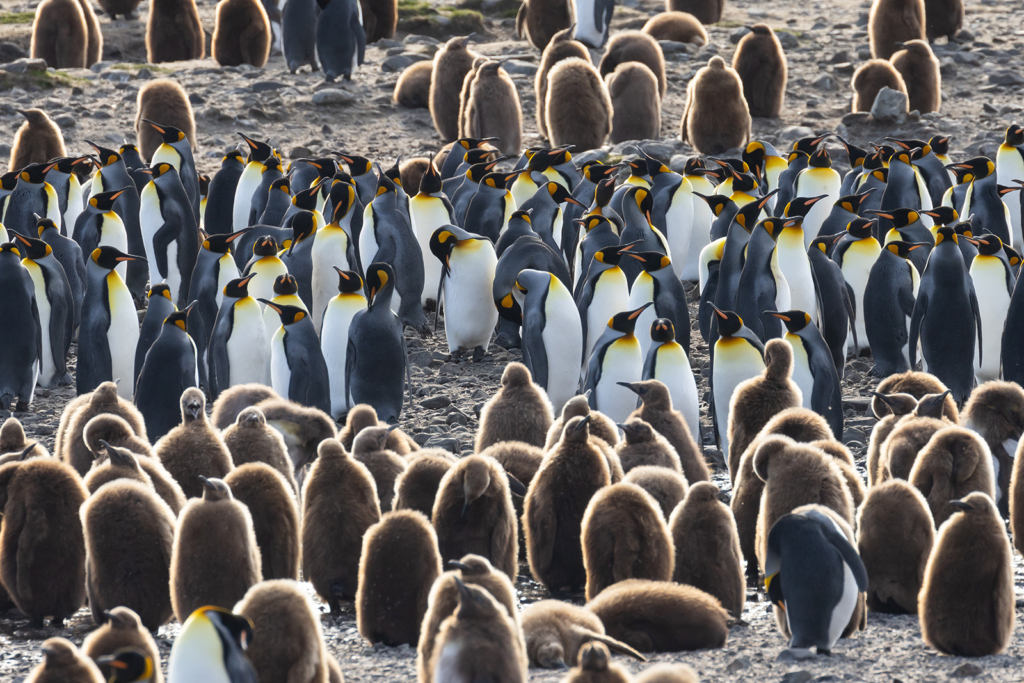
x=744 y=182
x=204 y=185
x=754 y=155
x=239 y=287
x=44 y=224
x=104 y=201
x=643 y=199
x=593 y=221
x=477 y=155
x=349 y=281
x=8 y=181
x=940 y=144
x=430 y=181
x=272 y=164
x=289 y=314
x=974 y=169
x=748 y=213
x=495 y=180
x=180 y=318
x=901 y=248
x=357 y=166
x=126 y=666
x=774 y=226
x=258 y=151
x=943 y=215
x=82 y=166
x=521 y=215
x=303 y=225
x=285 y=285
x=794 y=320
x=159 y=290
x=1014 y=135
x=105 y=156
x=603 y=192
x=625 y=322
x=716 y=202
x=231 y=156
x=308 y=199
x=856 y=154
x=823 y=244
x=343 y=198
x=168 y=134
x=395 y=173
x=161 y=169
x=33 y=173
x=220 y=243
x=900 y=218
x=476 y=172
x=562 y=195
x=265 y=246
x=694 y=166
x=809 y=145
x=652 y=261
x=988 y=245
x=861 y=228
x=282 y=185
x=662 y=330
x=32 y=248
x=109 y=257
x=62 y=164
x=729 y=323
x=610 y=256
x=732 y=167
x=193 y=406
x=946 y=234
x=597 y=172
x=800 y=206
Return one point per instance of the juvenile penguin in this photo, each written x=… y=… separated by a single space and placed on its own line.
x=540 y=21
x=63 y=663
x=369 y=448
x=275 y=517
x=412 y=90
x=667 y=487
x=70 y=444
x=869 y=78
x=194 y=448
x=918 y=385
x=362 y=416
x=236 y=399
x=302 y=428
x=716 y=117
x=398 y=565
x=635 y=46
x=416 y=487
x=957 y=616
x=60 y=36
x=954 y=463
x=943 y=18
x=123 y=631
x=174 y=32
x=519 y=411
x=251 y=439
x=635 y=102
x=642 y=445
x=555 y=631
x=680 y=27
x=891 y=22
x=241 y=34
x=38 y=139
x=113 y=463
x=995 y=411
x=94 y=50
x=761 y=64
x=493 y=109
x=594 y=666
x=451 y=65
x=561 y=46
x=920 y=71
x=577 y=107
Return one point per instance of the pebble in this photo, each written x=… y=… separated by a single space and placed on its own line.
x=66 y=121
x=967 y=670
x=672 y=47
x=448 y=443
x=436 y=402
x=788 y=39
x=20 y=66
x=737 y=35
x=402 y=61
x=826 y=83
x=518 y=66
x=797 y=677
x=737 y=664
x=1006 y=78
x=333 y=97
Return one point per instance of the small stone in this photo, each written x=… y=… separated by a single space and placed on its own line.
x=856 y=117
x=797 y=677
x=402 y=61
x=66 y=121
x=116 y=76
x=420 y=359
x=863 y=52
x=145 y=74
x=436 y=402
x=333 y=96
x=965 y=36
x=826 y=83
x=678 y=163
x=889 y=105
x=196 y=98
x=844 y=68
x=967 y=670
x=968 y=58
x=840 y=57
x=448 y=443
x=100 y=66
x=385 y=43
x=672 y=47
x=413 y=39
x=265 y=86
x=788 y=39
x=737 y=35
x=737 y=664
x=5 y=151
x=1006 y=78
x=518 y=66
x=794 y=133
x=10 y=52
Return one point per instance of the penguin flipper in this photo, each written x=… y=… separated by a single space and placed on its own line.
x=161 y=240
x=850 y=301
x=359 y=32
x=920 y=308
x=905 y=298
x=848 y=552
x=521 y=20
x=533 y=347
x=218 y=365
x=977 y=315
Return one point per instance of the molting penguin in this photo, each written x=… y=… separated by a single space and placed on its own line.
x=171 y=367
x=298 y=370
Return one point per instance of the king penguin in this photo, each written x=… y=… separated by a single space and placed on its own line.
x=239 y=351
x=738 y=355
x=429 y=209
x=904 y=187
x=889 y=297
x=337 y=321
x=159 y=306
x=267 y=265
x=668 y=362
x=211 y=647
x=69 y=255
x=795 y=265
x=286 y=293
x=215 y=268
x=813 y=369
x=298 y=371
x=856 y=253
x=175 y=149
x=615 y=360
x=762 y=286
x=605 y=292
x=659 y=285
x=1010 y=167
x=836 y=311
x=468 y=263
x=56 y=309
x=32 y=195
x=818 y=178
x=332 y=250
x=101 y=226
x=993 y=282
x=171 y=366
x=170 y=231
x=983 y=200
x=220 y=198
x=248 y=181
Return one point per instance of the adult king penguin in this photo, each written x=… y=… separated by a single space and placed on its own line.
x=175 y=149
x=658 y=284
x=1010 y=167
x=171 y=366
x=248 y=181
x=737 y=356
x=56 y=309
x=170 y=231
x=21 y=335
x=668 y=362
x=615 y=360
x=332 y=249
x=211 y=648
x=298 y=370
x=994 y=282
x=813 y=369
x=818 y=178
x=337 y=321
x=239 y=350
x=983 y=200
x=889 y=298
x=856 y=253
x=467 y=278
x=429 y=209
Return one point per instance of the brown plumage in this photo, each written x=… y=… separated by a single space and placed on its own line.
x=275 y=517
x=666 y=486
x=869 y=78
x=166 y=103
x=521 y=461
x=761 y=64
x=679 y=27
x=555 y=631
x=467 y=88
x=69 y=445
x=339 y=503
x=291 y=642
x=659 y=616
x=954 y=463
x=644 y=446
x=920 y=70
x=113 y=463
x=241 y=34
x=894 y=21
x=413 y=91
x=577 y=108
x=125 y=8
x=667 y=673
x=520 y=411
x=116 y=431
x=716 y=117
x=895 y=554
x=334 y=672
x=444 y=599
x=123 y=630
x=611 y=459
x=594 y=666
x=636 y=105
x=539 y=21
x=362 y=416
x=303 y=428
x=398 y=565
x=37 y=141
x=635 y=46
x=657 y=411
x=918 y=385
x=493 y=109
x=416 y=487
x=451 y=64
x=94 y=51
x=42 y=547
x=841 y=456
x=995 y=410
x=473 y=514
x=380 y=19
x=561 y=46
x=757 y=400
x=236 y=399
x=63 y=663
x=174 y=33
x=902 y=404
x=216 y=558
x=250 y=439
x=967 y=603
x=193 y=448
x=943 y=18
x=600 y=425
x=156 y=474
x=412 y=170
x=60 y=35
x=624 y=537
x=707 y=547
x=901 y=449
x=706 y=11
x=14 y=443
x=385 y=465
x=572 y=472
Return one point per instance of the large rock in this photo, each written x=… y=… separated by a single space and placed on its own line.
x=890 y=105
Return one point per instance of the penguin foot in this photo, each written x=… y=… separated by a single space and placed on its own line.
x=66 y=380
x=21 y=407
x=479 y=353
x=798 y=654
x=507 y=342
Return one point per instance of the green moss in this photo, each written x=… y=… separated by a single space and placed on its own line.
x=798 y=34
x=37 y=79
x=415 y=8
x=417 y=16
x=729 y=23
x=153 y=68
x=17 y=17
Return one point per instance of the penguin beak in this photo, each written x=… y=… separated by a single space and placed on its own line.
x=194 y=409
x=583 y=422
x=453 y=564
x=961 y=505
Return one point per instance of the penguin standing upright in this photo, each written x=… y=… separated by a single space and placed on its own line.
x=215 y=268
x=267 y=265
x=22 y=334
x=762 y=287
x=171 y=366
x=109 y=330
x=673 y=213
x=340 y=38
x=251 y=175
x=993 y=282
x=904 y=187
x=298 y=259
x=429 y=209
x=605 y=292
x=175 y=150
x=211 y=646
x=239 y=349
x=668 y=362
x=101 y=226
x=795 y=265
x=889 y=297
x=158 y=307
x=170 y=231
x=813 y=370
x=659 y=285
x=220 y=198
x=298 y=371
x=270 y=172
x=468 y=263
x=490 y=209
x=615 y=360
x=32 y=195
x=837 y=309
x=856 y=253
x=69 y=255
x=332 y=251
x=286 y=293
x=1010 y=167
x=983 y=200
x=55 y=306
x=637 y=203
x=738 y=355
x=818 y=178
x=337 y=321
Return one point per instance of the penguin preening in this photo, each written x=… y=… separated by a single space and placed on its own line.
x=555 y=631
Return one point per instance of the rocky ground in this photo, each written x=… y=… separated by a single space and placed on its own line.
x=824 y=41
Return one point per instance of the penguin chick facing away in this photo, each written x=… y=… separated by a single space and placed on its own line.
x=275 y=517
x=165 y=102
x=555 y=631
x=679 y=27
x=38 y=139
x=362 y=416
x=174 y=33
x=116 y=431
x=123 y=631
x=920 y=71
x=716 y=117
x=290 y=642
x=657 y=410
x=493 y=110
x=625 y=537
x=706 y=12
x=635 y=103
x=540 y=21
x=891 y=22
x=193 y=448
x=451 y=64
x=60 y=36
x=943 y=18
x=385 y=465
x=954 y=463
x=966 y=606
x=635 y=46
x=600 y=425
x=869 y=78
x=901 y=450
x=251 y=439
x=668 y=488
x=707 y=547
x=63 y=663
x=660 y=616
x=918 y=385
x=902 y=404
x=761 y=64
x=895 y=555
x=94 y=51
x=594 y=666
x=416 y=487
x=577 y=108
x=303 y=428
x=644 y=446
x=397 y=567
x=69 y=445
x=562 y=46
x=520 y=411
x=241 y=34
x=12 y=440
x=995 y=410
x=215 y=559
x=413 y=92
x=234 y=400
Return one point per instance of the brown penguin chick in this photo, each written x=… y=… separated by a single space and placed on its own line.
x=124 y=8
x=215 y=559
x=398 y=565
x=290 y=646
x=521 y=462
x=451 y=64
x=716 y=117
x=667 y=673
x=63 y=663
x=660 y=616
x=540 y=21
x=70 y=446
x=129 y=532
x=520 y=411
x=174 y=33
x=416 y=487
x=42 y=546
x=362 y=416
x=166 y=103
x=555 y=631
x=577 y=107
x=667 y=487
x=123 y=630
x=679 y=27
x=954 y=463
x=120 y=435
x=37 y=141
x=644 y=446
x=303 y=428
x=33 y=450
x=594 y=666
x=193 y=448
x=116 y=431
x=995 y=410
x=918 y=385
x=334 y=672
x=843 y=459
x=869 y=78
x=636 y=105
x=600 y=425
x=413 y=90
x=761 y=64
x=339 y=503
x=635 y=46
x=656 y=410
x=13 y=442
x=625 y=537
x=901 y=404
x=236 y=399
x=572 y=472
x=444 y=599
x=250 y=439
x=891 y=22
x=706 y=12
x=60 y=36
x=467 y=88
x=380 y=19
x=707 y=547
x=241 y=34
x=611 y=459
x=895 y=555
x=755 y=401
x=920 y=70
x=966 y=604
x=275 y=517
x=943 y=18
x=385 y=465
x=493 y=109
x=473 y=514
x=901 y=449
x=94 y=51
x=561 y=46
x=113 y=463
x=412 y=170
x=796 y=474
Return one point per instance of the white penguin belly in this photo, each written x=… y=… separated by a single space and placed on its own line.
x=700 y=233
x=271 y=318
x=151 y=221
x=640 y=293
x=1010 y=167
x=802 y=376
x=735 y=361
x=48 y=371
x=813 y=182
x=330 y=249
x=622 y=363
x=857 y=263
x=673 y=370
x=368 y=239
x=173 y=272
x=197 y=655
x=989 y=278
x=782 y=293
x=843 y=610
x=122 y=335
x=334 y=344
x=611 y=296
x=226 y=272
x=427 y=214
x=796 y=267
x=247 y=184
x=75 y=205
x=248 y=346
x=679 y=226
x=469 y=312
x=587 y=30
x=563 y=345
x=113 y=234
x=280 y=371
x=267 y=269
